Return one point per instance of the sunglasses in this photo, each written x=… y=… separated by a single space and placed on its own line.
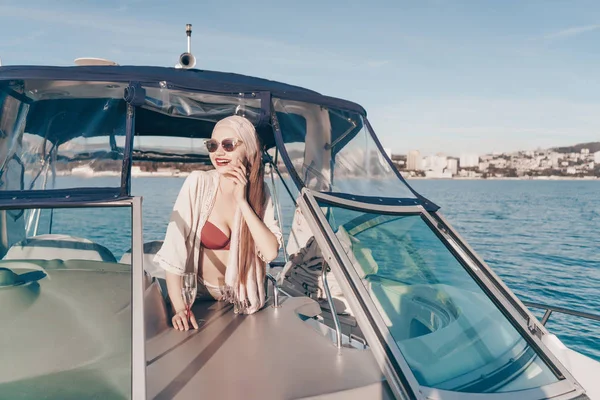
x=228 y=145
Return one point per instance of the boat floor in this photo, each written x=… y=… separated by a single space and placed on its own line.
x=272 y=354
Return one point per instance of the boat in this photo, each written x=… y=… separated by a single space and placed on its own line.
x=377 y=296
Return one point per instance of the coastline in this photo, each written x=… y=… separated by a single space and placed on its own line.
x=184 y=174
x=521 y=178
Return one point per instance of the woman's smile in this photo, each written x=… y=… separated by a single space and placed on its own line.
x=221 y=162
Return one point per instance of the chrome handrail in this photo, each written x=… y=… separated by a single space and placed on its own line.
x=336 y=321
x=549 y=309
x=275 y=289
x=275 y=199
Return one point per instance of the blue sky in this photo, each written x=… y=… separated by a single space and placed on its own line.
x=434 y=75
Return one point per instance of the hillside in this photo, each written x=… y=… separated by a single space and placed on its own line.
x=591 y=146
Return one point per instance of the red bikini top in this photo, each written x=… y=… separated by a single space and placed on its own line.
x=213 y=238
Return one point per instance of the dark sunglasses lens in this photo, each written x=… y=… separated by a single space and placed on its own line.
x=211 y=146
x=228 y=145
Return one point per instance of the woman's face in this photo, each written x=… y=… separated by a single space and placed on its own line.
x=221 y=159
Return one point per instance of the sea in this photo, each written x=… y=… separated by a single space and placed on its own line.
x=541 y=237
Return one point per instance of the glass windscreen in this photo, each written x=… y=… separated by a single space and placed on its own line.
x=51 y=131
x=333 y=151
x=199 y=106
x=65 y=304
x=448 y=330
x=172 y=126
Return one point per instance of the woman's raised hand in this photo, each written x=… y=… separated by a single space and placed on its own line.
x=238 y=174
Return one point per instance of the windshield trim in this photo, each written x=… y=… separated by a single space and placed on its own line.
x=549 y=391
x=568 y=383
x=280 y=144
x=379 y=204
x=68 y=195
x=429 y=205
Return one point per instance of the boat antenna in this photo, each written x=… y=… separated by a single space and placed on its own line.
x=188 y=32
x=187 y=59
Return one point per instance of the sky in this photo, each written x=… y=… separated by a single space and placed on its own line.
x=434 y=75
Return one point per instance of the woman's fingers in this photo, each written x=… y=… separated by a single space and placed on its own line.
x=237 y=171
x=243 y=176
x=177 y=323
x=237 y=179
x=180 y=321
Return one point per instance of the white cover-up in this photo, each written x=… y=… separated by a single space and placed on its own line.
x=181 y=249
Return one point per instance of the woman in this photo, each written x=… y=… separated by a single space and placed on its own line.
x=223 y=225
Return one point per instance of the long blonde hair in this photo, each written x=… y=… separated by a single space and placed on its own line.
x=256 y=192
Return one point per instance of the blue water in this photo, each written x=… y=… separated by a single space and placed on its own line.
x=540 y=237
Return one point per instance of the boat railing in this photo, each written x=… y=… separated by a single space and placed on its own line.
x=548 y=310
x=275 y=290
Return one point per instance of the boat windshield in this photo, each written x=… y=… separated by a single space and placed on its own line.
x=51 y=130
x=447 y=329
x=66 y=310
x=333 y=151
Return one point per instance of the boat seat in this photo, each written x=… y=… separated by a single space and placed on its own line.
x=302 y=275
x=151 y=268
x=58 y=247
x=150 y=249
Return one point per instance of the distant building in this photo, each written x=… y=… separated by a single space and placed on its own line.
x=435 y=163
x=413 y=160
x=499 y=163
x=468 y=173
x=597 y=157
x=585 y=151
x=452 y=166
x=469 y=160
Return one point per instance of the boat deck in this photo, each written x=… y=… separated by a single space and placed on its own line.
x=272 y=354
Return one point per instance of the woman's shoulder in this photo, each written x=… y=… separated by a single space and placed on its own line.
x=198 y=179
x=199 y=175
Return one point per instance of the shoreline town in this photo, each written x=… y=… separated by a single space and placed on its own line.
x=568 y=163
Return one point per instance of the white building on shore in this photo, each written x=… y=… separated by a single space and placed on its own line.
x=413 y=160
x=469 y=160
x=452 y=166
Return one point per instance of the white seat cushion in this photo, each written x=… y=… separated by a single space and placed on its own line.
x=58 y=247
x=151 y=268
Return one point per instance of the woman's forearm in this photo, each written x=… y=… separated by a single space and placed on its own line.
x=265 y=240
x=174 y=289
